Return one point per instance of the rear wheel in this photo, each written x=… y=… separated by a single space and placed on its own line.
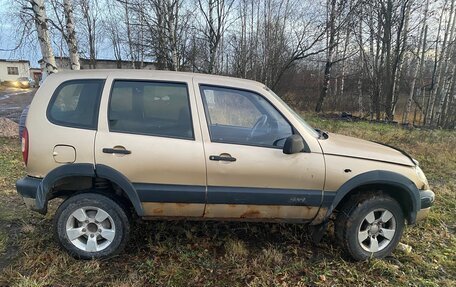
x=90 y=225
x=370 y=226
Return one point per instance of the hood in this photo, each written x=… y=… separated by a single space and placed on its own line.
x=352 y=147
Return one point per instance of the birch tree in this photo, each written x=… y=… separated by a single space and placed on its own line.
x=40 y=18
x=440 y=64
x=446 y=66
x=215 y=14
x=418 y=63
x=71 y=35
x=63 y=20
x=331 y=30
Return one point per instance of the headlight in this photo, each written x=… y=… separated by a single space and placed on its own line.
x=421 y=176
x=24 y=83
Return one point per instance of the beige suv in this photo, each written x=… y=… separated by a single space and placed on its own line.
x=117 y=143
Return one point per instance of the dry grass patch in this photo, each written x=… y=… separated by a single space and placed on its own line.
x=240 y=254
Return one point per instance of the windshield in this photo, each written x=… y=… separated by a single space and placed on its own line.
x=309 y=129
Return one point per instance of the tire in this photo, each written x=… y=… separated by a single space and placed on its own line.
x=369 y=226
x=91 y=226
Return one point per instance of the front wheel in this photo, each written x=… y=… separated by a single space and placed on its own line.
x=370 y=226
x=90 y=225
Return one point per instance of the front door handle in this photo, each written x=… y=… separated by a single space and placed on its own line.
x=222 y=157
x=116 y=150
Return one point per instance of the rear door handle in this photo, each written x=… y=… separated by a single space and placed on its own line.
x=116 y=150
x=222 y=157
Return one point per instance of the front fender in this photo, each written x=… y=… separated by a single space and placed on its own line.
x=383 y=177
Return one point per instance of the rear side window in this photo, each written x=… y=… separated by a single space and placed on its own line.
x=75 y=104
x=150 y=108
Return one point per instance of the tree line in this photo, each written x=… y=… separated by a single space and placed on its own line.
x=390 y=60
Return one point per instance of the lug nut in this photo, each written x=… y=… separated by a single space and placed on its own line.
x=86 y=221
x=99 y=230
x=84 y=230
x=91 y=235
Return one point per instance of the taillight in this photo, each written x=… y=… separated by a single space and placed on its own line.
x=25 y=145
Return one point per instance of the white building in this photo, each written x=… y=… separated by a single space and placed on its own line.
x=10 y=70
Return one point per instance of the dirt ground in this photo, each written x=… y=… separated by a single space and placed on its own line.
x=183 y=253
x=8 y=128
x=13 y=101
x=231 y=254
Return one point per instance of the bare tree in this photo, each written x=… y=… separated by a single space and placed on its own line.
x=63 y=20
x=215 y=13
x=71 y=35
x=373 y=57
x=90 y=21
x=331 y=30
x=419 y=63
x=39 y=12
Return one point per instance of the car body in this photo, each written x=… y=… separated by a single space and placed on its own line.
x=194 y=146
x=23 y=82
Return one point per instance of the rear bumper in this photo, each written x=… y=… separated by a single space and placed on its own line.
x=27 y=188
x=427 y=198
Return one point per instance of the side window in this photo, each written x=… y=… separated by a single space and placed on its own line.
x=75 y=104
x=243 y=117
x=150 y=108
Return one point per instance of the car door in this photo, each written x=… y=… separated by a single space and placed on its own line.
x=248 y=175
x=149 y=132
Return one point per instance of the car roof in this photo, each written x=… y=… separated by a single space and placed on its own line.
x=173 y=75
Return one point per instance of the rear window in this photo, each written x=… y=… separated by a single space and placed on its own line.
x=150 y=108
x=75 y=104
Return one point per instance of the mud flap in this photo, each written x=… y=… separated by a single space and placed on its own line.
x=318 y=231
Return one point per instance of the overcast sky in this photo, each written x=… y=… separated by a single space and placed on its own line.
x=10 y=29
x=9 y=38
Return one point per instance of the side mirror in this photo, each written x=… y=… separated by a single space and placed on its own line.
x=293 y=144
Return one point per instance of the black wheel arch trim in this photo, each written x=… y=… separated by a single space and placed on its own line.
x=84 y=169
x=45 y=186
x=381 y=177
x=122 y=181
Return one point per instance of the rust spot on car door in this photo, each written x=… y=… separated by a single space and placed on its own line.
x=252 y=213
x=160 y=209
x=245 y=211
x=157 y=211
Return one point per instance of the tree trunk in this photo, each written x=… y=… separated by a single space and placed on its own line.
x=172 y=11
x=438 y=80
x=361 y=60
x=344 y=54
x=388 y=76
x=329 y=57
x=129 y=37
x=39 y=13
x=91 y=31
x=442 y=88
x=71 y=35
x=422 y=43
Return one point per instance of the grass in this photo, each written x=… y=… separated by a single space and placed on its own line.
x=240 y=254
